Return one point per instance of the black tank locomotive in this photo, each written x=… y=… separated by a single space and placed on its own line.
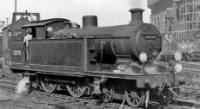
x=116 y=62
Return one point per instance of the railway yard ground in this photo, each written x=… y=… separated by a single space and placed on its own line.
x=38 y=99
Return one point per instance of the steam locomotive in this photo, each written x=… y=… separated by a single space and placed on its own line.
x=115 y=62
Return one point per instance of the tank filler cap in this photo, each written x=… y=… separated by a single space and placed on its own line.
x=90 y=21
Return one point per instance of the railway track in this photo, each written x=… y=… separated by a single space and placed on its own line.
x=7 y=85
x=60 y=100
x=180 y=107
x=54 y=100
x=191 y=67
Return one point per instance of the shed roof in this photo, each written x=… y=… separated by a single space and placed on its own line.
x=18 y=24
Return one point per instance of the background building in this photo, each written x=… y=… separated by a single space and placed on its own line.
x=2 y=24
x=158 y=12
x=180 y=18
x=179 y=21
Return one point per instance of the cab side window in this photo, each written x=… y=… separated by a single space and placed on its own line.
x=33 y=33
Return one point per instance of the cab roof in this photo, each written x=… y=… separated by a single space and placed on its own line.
x=45 y=22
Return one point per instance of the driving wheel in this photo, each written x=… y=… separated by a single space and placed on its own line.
x=76 y=90
x=107 y=95
x=135 y=99
x=47 y=86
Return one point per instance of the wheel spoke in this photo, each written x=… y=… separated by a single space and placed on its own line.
x=48 y=87
x=107 y=95
x=137 y=101
x=134 y=99
x=75 y=90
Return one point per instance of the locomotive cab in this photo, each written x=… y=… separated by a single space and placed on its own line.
x=43 y=28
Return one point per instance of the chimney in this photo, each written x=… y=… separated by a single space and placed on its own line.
x=90 y=21
x=136 y=16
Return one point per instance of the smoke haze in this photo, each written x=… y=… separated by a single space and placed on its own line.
x=22 y=86
x=109 y=12
x=141 y=4
x=138 y=3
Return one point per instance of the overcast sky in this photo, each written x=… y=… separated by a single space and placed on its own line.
x=109 y=12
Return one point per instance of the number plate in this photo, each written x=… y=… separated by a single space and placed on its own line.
x=16 y=52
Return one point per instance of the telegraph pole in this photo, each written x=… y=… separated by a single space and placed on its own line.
x=15 y=5
x=7 y=21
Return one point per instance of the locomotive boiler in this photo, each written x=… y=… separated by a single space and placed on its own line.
x=116 y=62
x=122 y=43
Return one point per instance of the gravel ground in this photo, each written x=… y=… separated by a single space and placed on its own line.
x=41 y=100
x=9 y=100
x=13 y=101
